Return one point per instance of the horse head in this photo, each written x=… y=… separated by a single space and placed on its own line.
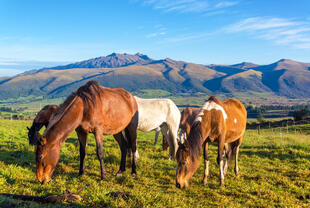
x=186 y=165
x=47 y=156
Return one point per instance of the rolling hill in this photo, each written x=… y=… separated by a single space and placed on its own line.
x=138 y=72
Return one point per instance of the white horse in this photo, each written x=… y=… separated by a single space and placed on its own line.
x=163 y=115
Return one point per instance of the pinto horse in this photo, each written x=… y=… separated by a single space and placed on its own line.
x=42 y=119
x=163 y=114
x=221 y=121
x=91 y=109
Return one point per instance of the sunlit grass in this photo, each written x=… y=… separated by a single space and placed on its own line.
x=273 y=172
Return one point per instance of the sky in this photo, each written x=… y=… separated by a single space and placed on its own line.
x=41 y=33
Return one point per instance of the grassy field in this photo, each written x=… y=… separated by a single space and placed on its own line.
x=273 y=172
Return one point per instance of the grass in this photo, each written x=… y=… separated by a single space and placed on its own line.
x=274 y=172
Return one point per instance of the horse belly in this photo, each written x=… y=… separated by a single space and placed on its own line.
x=150 y=123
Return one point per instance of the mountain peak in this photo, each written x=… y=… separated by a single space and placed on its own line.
x=245 y=65
x=286 y=61
x=114 y=60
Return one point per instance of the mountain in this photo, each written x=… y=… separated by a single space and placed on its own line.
x=287 y=77
x=113 y=60
x=138 y=72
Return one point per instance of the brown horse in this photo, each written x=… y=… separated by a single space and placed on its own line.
x=188 y=116
x=42 y=119
x=91 y=109
x=221 y=121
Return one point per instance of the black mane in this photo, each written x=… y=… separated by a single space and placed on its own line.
x=194 y=139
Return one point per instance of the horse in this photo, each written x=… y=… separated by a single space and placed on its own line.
x=188 y=116
x=91 y=109
x=42 y=119
x=221 y=121
x=163 y=114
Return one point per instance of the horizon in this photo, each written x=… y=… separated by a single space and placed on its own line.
x=35 y=35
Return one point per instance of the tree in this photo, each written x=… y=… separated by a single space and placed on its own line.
x=300 y=114
x=260 y=118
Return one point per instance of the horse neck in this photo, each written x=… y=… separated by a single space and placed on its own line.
x=68 y=122
x=195 y=140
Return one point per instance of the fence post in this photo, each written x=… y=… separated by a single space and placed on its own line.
x=286 y=128
x=272 y=130
x=281 y=134
x=258 y=129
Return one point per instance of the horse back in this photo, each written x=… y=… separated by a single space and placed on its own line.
x=46 y=114
x=112 y=112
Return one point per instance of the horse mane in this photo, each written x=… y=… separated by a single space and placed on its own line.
x=60 y=113
x=88 y=93
x=194 y=139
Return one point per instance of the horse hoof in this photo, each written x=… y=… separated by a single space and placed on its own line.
x=204 y=182
x=237 y=175
x=134 y=175
x=81 y=173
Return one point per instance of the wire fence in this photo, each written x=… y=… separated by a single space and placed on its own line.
x=282 y=127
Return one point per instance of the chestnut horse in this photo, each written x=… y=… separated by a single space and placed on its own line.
x=91 y=109
x=188 y=116
x=42 y=119
x=221 y=121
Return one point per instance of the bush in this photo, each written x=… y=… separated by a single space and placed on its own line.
x=260 y=118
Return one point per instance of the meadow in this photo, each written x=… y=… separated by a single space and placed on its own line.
x=274 y=172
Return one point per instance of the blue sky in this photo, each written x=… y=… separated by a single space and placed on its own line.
x=38 y=33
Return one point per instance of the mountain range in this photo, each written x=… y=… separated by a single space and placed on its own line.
x=138 y=72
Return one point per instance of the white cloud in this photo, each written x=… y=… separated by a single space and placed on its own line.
x=152 y=35
x=188 y=6
x=279 y=30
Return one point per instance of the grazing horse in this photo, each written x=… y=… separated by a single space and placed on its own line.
x=163 y=114
x=42 y=119
x=221 y=121
x=91 y=109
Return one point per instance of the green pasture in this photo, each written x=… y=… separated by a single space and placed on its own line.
x=274 y=172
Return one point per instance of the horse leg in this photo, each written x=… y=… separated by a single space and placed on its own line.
x=220 y=161
x=206 y=162
x=131 y=134
x=166 y=134
x=156 y=135
x=82 y=135
x=123 y=146
x=236 y=156
x=165 y=143
x=99 y=136
x=228 y=151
